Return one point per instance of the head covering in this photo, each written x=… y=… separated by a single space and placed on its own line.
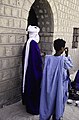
x=33 y=35
x=33 y=29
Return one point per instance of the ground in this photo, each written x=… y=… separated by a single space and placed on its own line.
x=17 y=112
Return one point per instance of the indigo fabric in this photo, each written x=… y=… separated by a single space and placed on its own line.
x=31 y=95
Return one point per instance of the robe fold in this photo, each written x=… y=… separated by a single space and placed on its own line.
x=76 y=81
x=54 y=86
x=33 y=77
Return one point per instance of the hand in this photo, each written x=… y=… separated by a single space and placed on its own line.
x=43 y=54
x=66 y=51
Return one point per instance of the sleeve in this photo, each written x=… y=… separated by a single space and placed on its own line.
x=68 y=62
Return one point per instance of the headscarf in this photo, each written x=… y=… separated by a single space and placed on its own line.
x=33 y=35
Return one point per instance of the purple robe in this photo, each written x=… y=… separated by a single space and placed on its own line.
x=75 y=83
x=31 y=95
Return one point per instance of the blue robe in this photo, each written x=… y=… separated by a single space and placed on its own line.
x=31 y=95
x=54 y=86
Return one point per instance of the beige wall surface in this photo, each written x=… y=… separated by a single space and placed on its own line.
x=13 y=23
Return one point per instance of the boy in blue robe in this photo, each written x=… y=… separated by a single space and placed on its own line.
x=54 y=87
x=32 y=72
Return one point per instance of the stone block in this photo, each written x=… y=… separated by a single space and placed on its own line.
x=7 y=30
x=65 y=2
x=5 y=63
x=23 y=24
x=43 y=29
x=1 y=9
x=13 y=2
x=31 y=1
x=0 y=75
x=24 y=14
x=4 y=39
x=0 y=63
x=17 y=23
x=46 y=39
x=27 y=5
x=12 y=62
x=17 y=50
x=50 y=39
x=14 y=72
x=20 y=38
x=48 y=29
x=19 y=13
x=8 y=11
x=5 y=2
x=12 y=38
x=48 y=46
x=3 y=22
x=14 y=96
x=18 y=60
x=7 y=97
x=9 y=84
x=9 y=51
x=14 y=12
x=2 y=51
x=6 y=75
x=3 y=100
x=11 y=22
x=0 y=39
x=20 y=3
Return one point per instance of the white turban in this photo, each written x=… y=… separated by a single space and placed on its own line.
x=33 y=29
x=33 y=35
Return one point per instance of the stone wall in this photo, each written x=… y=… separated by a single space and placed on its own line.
x=13 y=22
x=67 y=19
x=12 y=38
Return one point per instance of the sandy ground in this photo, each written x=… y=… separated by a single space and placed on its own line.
x=17 y=112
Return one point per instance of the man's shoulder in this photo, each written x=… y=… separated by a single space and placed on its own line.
x=33 y=42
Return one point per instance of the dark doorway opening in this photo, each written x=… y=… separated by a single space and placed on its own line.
x=32 y=19
x=41 y=15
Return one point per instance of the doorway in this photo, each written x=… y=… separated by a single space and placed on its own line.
x=41 y=15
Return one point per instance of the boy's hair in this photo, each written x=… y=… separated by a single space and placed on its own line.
x=58 y=44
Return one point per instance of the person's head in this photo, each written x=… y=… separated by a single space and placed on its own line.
x=33 y=32
x=59 y=45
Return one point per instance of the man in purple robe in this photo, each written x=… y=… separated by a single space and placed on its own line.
x=32 y=72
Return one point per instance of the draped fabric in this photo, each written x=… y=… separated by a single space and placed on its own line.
x=33 y=35
x=33 y=76
x=77 y=81
x=54 y=86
